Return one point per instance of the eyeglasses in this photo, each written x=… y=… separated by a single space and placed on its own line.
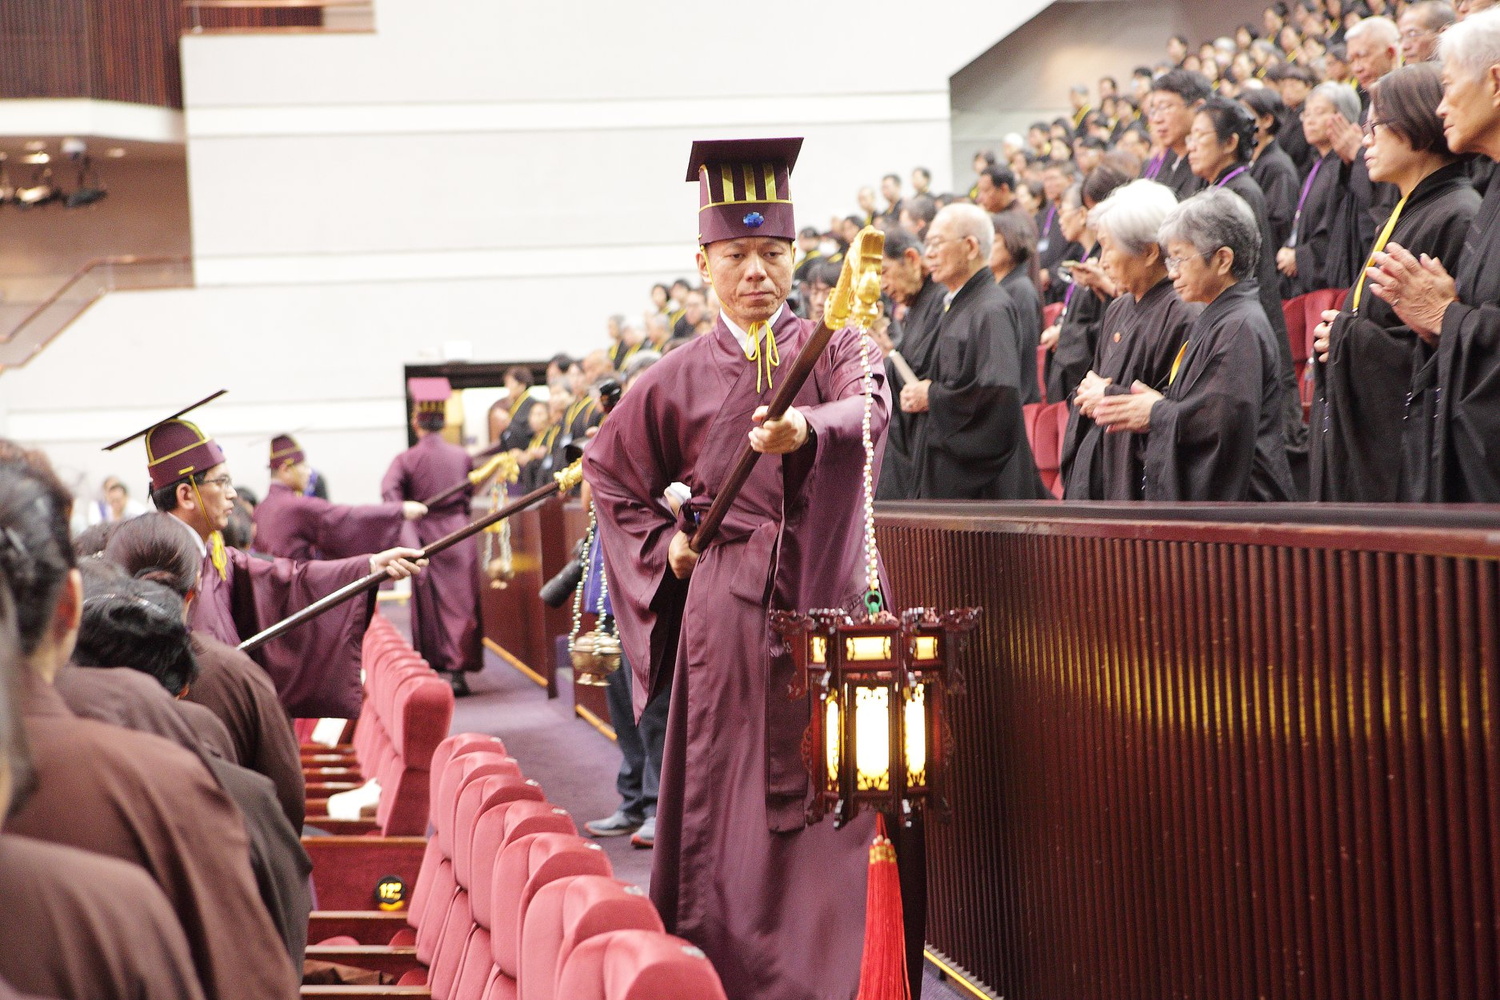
x=1415 y=33
x=222 y=482
x=1368 y=128
x=938 y=242
x=1175 y=263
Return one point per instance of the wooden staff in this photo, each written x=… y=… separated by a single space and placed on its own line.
x=501 y=463
x=855 y=298
x=561 y=483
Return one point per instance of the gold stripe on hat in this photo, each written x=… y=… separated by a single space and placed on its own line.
x=285 y=451
x=728 y=194
x=770 y=189
x=746 y=201
x=752 y=193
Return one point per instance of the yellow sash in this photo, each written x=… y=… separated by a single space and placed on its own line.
x=1380 y=241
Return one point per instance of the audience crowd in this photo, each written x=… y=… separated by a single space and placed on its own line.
x=1350 y=176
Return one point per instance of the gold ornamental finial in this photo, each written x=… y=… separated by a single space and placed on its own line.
x=570 y=477
x=502 y=464
x=855 y=299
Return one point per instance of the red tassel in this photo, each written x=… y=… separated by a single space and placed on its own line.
x=882 y=969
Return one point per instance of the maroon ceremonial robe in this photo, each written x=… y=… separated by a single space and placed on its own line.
x=293 y=526
x=315 y=666
x=445 y=596
x=136 y=797
x=237 y=690
x=778 y=907
x=87 y=927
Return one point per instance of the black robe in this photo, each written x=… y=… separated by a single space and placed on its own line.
x=1277 y=176
x=1023 y=292
x=1175 y=172
x=1320 y=197
x=918 y=345
x=1466 y=411
x=1291 y=138
x=1294 y=431
x=1052 y=248
x=1362 y=392
x=1077 y=339
x=1141 y=338
x=972 y=444
x=1217 y=433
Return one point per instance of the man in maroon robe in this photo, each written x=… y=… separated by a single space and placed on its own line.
x=778 y=906
x=445 y=599
x=290 y=524
x=315 y=667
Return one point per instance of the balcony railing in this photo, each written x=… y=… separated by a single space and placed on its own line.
x=38 y=325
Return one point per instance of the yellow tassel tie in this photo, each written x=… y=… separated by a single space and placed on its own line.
x=1380 y=242
x=765 y=356
x=219 y=556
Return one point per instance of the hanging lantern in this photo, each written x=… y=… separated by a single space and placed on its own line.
x=876 y=691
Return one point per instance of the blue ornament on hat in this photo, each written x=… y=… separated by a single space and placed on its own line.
x=754 y=220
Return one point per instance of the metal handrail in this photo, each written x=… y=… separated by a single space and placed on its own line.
x=86 y=286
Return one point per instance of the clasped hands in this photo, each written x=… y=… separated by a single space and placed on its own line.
x=1419 y=289
x=1120 y=412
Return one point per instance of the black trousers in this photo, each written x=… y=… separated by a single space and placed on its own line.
x=640 y=743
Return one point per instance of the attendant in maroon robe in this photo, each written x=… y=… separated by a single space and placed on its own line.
x=778 y=906
x=315 y=667
x=290 y=524
x=128 y=795
x=445 y=599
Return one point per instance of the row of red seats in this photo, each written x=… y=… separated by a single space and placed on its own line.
x=509 y=902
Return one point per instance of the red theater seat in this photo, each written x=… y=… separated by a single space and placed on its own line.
x=569 y=911
x=638 y=965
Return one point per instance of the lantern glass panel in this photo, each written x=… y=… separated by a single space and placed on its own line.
x=916 y=736
x=867 y=647
x=872 y=739
x=818 y=649
x=832 y=740
x=925 y=647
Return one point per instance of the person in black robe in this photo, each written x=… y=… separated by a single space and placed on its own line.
x=523 y=396
x=1293 y=83
x=1052 y=247
x=1271 y=167
x=1364 y=399
x=1014 y=265
x=1457 y=308
x=918 y=307
x=1071 y=340
x=1320 y=216
x=1174 y=99
x=1216 y=432
x=1219 y=148
x=1144 y=327
x=972 y=443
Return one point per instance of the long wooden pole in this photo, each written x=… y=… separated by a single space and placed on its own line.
x=855 y=299
x=561 y=482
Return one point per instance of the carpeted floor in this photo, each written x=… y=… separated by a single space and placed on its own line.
x=574 y=763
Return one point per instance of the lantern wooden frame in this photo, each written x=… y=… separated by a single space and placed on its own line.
x=877 y=736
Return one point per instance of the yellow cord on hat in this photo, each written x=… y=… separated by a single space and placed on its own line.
x=766 y=357
x=1380 y=242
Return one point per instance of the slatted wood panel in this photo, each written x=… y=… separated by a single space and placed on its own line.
x=1217 y=761
x=115 y=50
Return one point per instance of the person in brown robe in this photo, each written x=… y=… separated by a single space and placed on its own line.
x=315 y=667
x=230 y=684
x=777 y=905
x=445 y=599
x=128 y=795
x=290 y=524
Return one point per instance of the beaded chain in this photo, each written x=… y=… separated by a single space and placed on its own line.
x=585 y=555
x=874 y=602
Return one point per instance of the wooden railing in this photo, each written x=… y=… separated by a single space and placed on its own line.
x=41 y=325
x=1220 y=751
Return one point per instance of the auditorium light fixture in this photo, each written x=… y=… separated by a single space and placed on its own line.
x=877 y=737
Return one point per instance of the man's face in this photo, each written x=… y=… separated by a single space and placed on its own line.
x=1133 y=143
x=1107 y=88
x=817 y=298
x=1468 y=108
x=950 y=256
x=752 y=276
x=1171 y=118
x=694 y=308
x=217 y=494
x=1294 y=92
x=114 y=495
x=866 y=199
x=848 y=230
x=1418 y=42
x=1369 y=60
x=1054 y=183
x=901 y=277
x=298 y=474
x=809 y=243
x=890 y=190
x=1140 y=88
x=920 y=182
x=991 y=198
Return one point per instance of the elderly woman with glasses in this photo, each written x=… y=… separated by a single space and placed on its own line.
x=1365 y=398
x=1143 y=328
x=1215 y=431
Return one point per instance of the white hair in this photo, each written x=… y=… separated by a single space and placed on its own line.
x=1344 y=98
x=1214 y=218
x=971 y=220
x=1380 y=30
x=1133 y=214
x=1473 y=44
